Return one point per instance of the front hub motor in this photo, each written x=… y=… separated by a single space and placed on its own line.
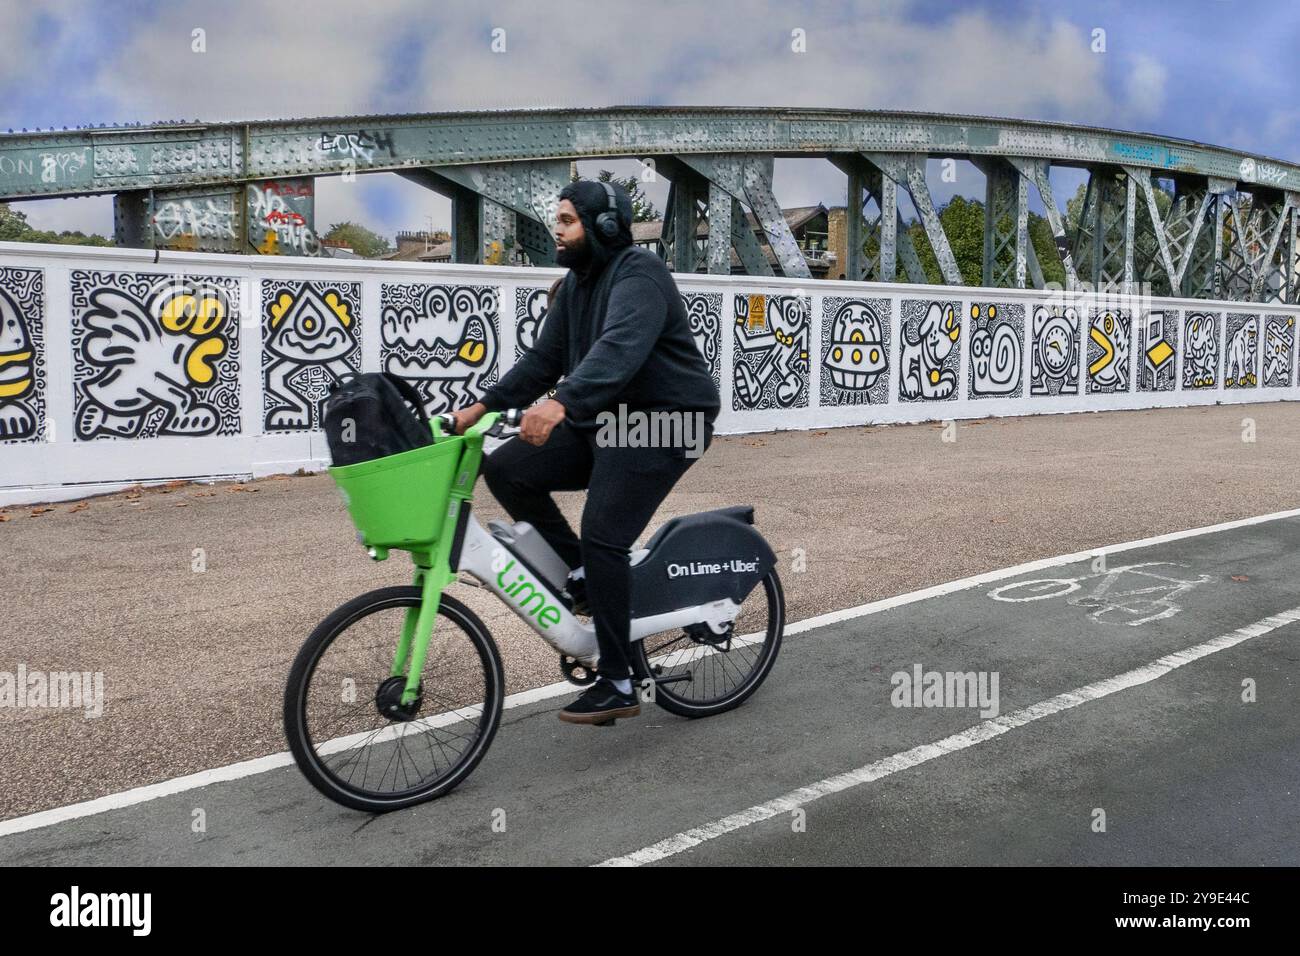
x=388 y=699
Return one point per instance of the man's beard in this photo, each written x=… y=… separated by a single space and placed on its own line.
x=574 y=257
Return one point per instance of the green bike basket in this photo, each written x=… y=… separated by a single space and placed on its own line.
x=400 y=501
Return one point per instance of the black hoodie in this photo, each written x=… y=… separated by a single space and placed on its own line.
x=617 y=332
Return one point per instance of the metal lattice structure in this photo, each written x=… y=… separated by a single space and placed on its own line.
x=1184 y=217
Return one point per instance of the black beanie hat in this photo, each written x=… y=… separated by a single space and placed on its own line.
x=590 y=200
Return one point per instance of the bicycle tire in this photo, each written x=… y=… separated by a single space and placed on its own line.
x=295 y=703
x=675 y=703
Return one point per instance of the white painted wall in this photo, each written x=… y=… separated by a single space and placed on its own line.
x=65 y=467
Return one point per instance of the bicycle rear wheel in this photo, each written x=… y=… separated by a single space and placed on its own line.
x=715 y=673
x=345 y=730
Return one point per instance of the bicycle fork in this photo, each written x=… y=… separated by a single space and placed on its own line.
x=432 y=574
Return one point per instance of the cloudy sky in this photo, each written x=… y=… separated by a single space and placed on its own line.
x=1219 y=71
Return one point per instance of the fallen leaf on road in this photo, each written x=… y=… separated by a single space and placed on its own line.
x=40 y=511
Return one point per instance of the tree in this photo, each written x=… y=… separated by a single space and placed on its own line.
x=359 y=239
x=14 y=228
x=963 y=224
x=643 y=210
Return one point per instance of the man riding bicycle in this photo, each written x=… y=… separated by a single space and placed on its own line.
x=618 y=335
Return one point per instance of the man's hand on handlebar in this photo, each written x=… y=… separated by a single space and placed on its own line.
x=468 y=417
x=538 y=421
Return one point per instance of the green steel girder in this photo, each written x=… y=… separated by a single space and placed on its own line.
x=116 y=159
x=181 y=186
x=866 y=183
x=1103 y=239
x=504 y=205
x=908 y=171
x=1036 y=172
x=748 y=178
x=1006 y=224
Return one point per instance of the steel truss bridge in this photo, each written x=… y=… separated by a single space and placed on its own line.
x=1188 y=218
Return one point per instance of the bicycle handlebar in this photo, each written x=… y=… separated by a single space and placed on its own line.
x=496 y=425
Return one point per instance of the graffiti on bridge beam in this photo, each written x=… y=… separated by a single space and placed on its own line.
x=362 y=145
x=282 y=217
x=154 y=355
x=180 y=222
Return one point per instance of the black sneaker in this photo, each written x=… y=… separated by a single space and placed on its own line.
x=601 y=703
x=576 y=590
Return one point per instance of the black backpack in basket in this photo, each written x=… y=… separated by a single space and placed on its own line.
x=372 y=415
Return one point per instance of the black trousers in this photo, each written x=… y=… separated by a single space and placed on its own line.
x=624 y=487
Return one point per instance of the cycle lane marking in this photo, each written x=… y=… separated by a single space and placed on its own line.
x=277 y=761
x=963 y=740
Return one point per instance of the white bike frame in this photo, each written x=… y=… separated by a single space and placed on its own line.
x=499 y=568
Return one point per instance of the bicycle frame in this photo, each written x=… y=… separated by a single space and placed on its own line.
x=472 y=549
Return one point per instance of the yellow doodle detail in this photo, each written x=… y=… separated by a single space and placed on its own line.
x=339 y=308
x=196 y=363
x=1107 y=351
x=280 y=307
x=472 y=351
x=191 y=315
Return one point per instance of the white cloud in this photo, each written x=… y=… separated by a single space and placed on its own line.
x=329 y=57
x=1145 y=87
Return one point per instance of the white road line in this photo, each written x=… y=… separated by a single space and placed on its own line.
x=250 y=768
x=978 y=734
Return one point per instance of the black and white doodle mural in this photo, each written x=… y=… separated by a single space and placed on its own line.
x=1201 y=350
x=1110 y=337
x=1054 y=352
x=929 y=360
x=997 y=334
x=154 y=355
x=311 y=340
x=530 y=312
x=1279 y=350
x=22 y=355
x=444 y=339
x=704 y=313
x=1241 y=351
x=1157 y=350
x=770 y=367
x=855 y=351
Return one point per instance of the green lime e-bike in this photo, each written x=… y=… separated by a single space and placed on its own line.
x=396 y=695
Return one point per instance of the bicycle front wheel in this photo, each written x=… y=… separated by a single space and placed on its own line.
x=708 y=673
x=347 y=730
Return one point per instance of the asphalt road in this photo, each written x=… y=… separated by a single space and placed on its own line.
x=192 y=600
x=1184 y=770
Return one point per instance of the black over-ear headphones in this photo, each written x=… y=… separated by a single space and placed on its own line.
x=607 y=221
